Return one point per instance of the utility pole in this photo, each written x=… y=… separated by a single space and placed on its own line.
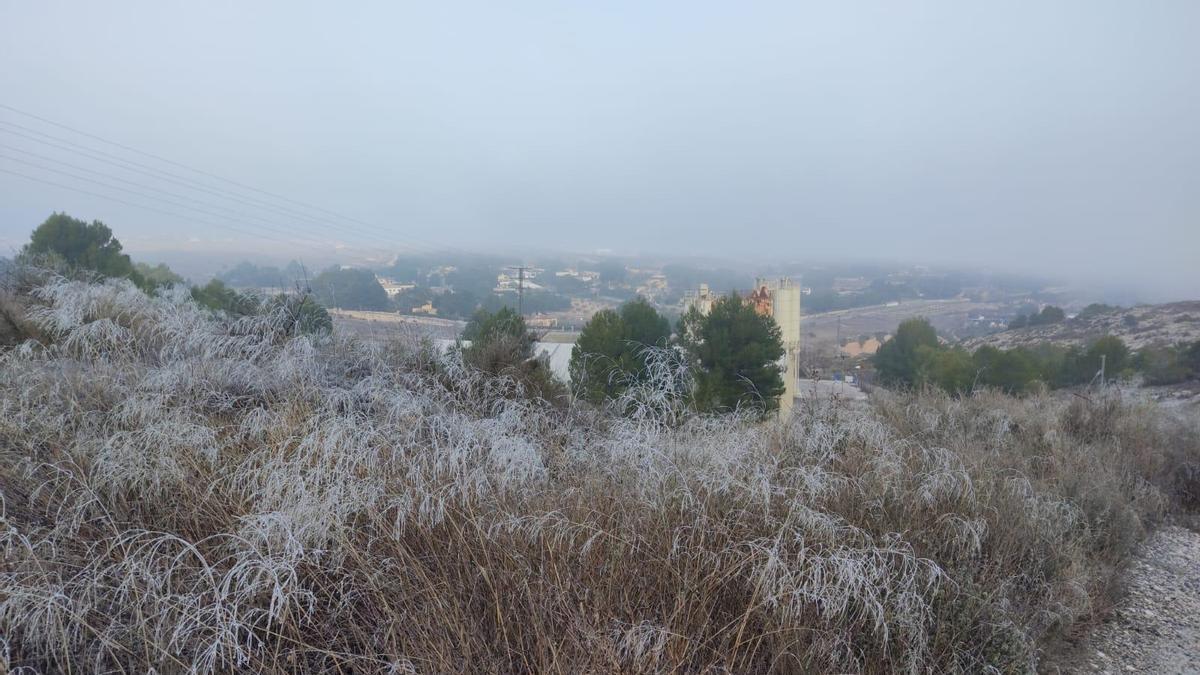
x=520 y=288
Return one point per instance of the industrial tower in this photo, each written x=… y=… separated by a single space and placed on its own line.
x=780 y=300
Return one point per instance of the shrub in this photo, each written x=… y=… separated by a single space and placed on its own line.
x=611 y=352
x=189 y=492
x=215 y=295
x=1163 y=365
x=500 y=344
x=1049 y=314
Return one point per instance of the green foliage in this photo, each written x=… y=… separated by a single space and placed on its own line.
x=914 y=358
x=1117 y=357
x=609 y=355
x=350 y=289
x=1049 y=314
x=597 y=359
x=950 y=369
x=405 y=301
x=736 y=352
x=1014 y=371
x=898 y=360
x=1079 y=365
x=303 y=312
x=82 y=245
x=1191 y=359
x=215 y=295
x=501 y=344
x=158 y=275
x=645 y=326
x=1095 y=309
x=499 y=340
x=1164 y=365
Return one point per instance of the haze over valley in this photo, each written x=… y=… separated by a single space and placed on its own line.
x=683 y=337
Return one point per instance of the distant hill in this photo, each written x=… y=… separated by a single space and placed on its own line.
x=1137 y=326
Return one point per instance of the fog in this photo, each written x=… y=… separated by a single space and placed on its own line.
x=1060 y=137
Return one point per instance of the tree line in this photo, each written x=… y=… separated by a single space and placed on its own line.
x=75 y=246
x=915 y=357
x=732 y=353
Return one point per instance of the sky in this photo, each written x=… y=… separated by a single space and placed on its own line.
x=1056 y=137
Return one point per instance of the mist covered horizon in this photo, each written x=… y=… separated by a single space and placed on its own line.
x=1050 y=140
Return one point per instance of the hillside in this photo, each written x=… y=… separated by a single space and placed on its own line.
x=1165 y=324
x=181 y=492
x=948 y=316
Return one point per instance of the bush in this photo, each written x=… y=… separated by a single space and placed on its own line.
x=500 y=344
x=611 y=353
x=1163 y=365
x=183 y=492
x=215 y=295
x=1049 y=314
x=898 y=360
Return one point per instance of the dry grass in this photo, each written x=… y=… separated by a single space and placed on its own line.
x=189 y=494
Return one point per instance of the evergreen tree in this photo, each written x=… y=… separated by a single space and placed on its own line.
x=215 y=295
x=1191 y=359
x=501 y=344
x=951 y=369
x=610 y=352
x=736 y=351
x=305 y=313
x=1015 y=370
x=644 y=325
x=899 y=359
x=158 y=275
x=82 y=245
x=499 y=340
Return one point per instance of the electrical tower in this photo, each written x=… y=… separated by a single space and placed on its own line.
x=520 y=287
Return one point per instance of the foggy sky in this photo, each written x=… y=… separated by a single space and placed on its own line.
x=1060 y=137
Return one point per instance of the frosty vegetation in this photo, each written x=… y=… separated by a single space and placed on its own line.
x=184 y=492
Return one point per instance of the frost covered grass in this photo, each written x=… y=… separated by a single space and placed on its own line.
x=183 y=493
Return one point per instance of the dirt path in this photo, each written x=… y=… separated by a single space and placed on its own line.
x=1157 y=628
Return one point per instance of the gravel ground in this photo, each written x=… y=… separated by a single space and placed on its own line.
x=1157 y=627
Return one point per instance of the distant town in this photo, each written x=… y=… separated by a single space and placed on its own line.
x=845 y=311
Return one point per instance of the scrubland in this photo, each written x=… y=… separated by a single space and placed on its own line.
x=186 y=493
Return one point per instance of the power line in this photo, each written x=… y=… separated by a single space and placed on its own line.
x=230 y=213
x=141 y=206
x=171 y=162
x=144 y=195
x=158 y=174
x=410 y=240
x=185 y=183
